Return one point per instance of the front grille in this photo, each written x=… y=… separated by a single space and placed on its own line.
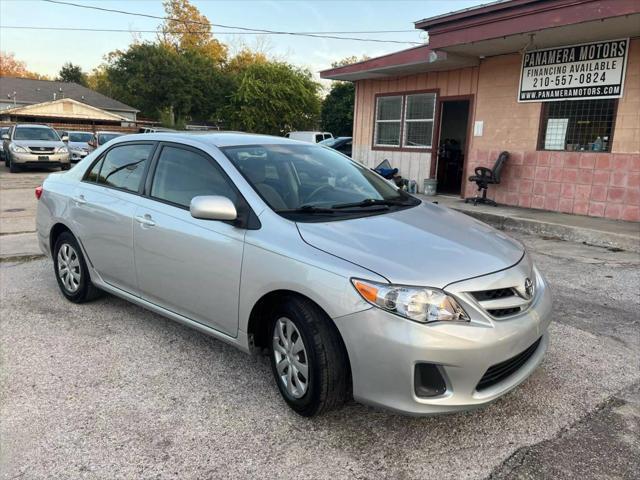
x=493 y=294
x=502 y=370
x=504 y=312
x=41 y=149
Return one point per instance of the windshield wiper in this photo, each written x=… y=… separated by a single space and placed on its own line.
x=368 y=202
x=307 y=209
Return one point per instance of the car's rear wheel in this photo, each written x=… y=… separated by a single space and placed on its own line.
x=71 y=270
x=308 y=358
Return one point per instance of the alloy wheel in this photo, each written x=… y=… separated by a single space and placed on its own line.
x=290 y=355
x=69 y=268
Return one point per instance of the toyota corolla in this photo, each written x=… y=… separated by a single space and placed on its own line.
x=352 y=287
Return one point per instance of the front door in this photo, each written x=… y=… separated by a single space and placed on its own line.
x=187 y=265
x=454 y=118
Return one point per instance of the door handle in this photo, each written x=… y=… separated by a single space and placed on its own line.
x=146 y=220
x=80 y=200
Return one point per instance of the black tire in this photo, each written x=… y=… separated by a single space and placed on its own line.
x=13 y=168
x=85 y=290
x=65 y=166
x=328 y=385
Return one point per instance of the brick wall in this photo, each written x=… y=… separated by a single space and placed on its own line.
x=595 y=184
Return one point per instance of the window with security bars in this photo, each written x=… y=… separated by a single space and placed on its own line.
x=405 y=120
x=577 y=125
x=418 y=120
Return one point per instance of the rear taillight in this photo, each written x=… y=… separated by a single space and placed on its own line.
x=39 y=191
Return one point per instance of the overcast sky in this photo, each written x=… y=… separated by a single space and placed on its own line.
x=45 y=51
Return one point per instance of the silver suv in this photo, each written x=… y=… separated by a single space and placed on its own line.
x=29 y=145
x=351 y=286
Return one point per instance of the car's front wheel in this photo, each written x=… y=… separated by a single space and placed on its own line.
x=71 y=270
x=13 y=168
x=308 y=358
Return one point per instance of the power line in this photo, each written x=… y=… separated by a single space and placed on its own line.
x=124 y=30
x=231 y=27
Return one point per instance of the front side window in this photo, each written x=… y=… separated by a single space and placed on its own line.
x=183 y=174
x=36 y=133
x=388 y=121
x=123 y=166
x=308 y=180
x=577 y=125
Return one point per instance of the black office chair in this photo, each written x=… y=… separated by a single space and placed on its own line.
x=487 y=176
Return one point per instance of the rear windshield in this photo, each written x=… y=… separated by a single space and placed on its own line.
x=80 y=137
x=35 y=133
x=105 y=137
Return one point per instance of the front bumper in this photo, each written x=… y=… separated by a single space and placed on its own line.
x=76 y=156
x=36 y=160
x=384 y=350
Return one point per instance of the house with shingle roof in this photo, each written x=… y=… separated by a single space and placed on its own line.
x=26 y=97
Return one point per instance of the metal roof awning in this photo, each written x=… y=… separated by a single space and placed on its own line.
x=405 y=62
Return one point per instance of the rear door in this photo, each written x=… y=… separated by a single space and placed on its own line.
x=187 y=265
x=103 y=207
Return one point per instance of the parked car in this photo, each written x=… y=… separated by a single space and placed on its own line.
x=3 y=131
x=100 y=138
x=31 y=145
x=313 y=137
x=342 y=144
x=351 y=285
x=78 y=144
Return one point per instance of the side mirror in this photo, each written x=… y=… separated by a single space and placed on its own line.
x=213 y=207
x=5 y=136
x=65 y=138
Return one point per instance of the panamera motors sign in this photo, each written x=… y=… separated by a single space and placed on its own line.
x=584 y=71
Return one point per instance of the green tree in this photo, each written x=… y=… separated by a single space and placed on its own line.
x=273 y=98
x=164 y=83
x=72 y=73
x=337 y=109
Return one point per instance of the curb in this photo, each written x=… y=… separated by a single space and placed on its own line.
x=587 y=236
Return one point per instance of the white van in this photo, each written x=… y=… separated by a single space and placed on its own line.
x=313 y=137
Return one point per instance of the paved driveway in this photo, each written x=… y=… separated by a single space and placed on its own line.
x=108 y=390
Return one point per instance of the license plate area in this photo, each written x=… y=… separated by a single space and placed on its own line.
x=43 y=158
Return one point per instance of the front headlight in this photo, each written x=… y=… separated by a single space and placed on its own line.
x=17 y=148
x=421 y=304
x=62 y=149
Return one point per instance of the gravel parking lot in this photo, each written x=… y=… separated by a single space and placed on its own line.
x=109 y=390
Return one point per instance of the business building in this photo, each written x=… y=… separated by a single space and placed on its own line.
x=556 y=83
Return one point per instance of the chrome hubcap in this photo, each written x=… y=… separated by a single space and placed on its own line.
x=69 y=267
x=290 y=356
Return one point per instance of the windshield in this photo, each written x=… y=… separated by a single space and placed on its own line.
x=36 y=133
x=105 y=137
x=312 y=179
x=81 y=137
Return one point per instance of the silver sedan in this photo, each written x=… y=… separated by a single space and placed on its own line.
x=352 y=287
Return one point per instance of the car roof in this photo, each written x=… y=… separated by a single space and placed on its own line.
x=34 y=125
x=217 y=139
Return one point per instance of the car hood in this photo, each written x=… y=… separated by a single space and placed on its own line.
x=38 y=143
x=427 y=245
x=78 y=145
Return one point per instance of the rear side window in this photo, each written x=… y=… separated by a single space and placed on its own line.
x=319 y=137
x=123 y=166
x=183 y=174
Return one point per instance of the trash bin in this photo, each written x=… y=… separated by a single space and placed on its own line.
x=430 y=186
